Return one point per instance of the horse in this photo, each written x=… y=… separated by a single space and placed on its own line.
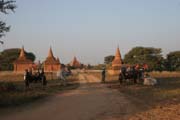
x=37 y=78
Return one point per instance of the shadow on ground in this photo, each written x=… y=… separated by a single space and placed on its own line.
x=167 y=92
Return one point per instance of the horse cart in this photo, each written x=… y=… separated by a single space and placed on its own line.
x=34 y=78
x=130 y=74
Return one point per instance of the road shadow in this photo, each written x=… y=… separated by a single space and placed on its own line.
x=166 y=93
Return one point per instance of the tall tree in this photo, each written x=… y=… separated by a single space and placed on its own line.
x=149 y=55
x=173 y=59
x=5 y=7
x=108 y=59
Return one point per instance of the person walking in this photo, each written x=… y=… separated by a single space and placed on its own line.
x=103 y=75
x=61 y=75
x=26 y=78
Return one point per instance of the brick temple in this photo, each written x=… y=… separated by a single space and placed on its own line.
x=51 y=64
x=75 y=63
x=22 y=62
x=116 y=63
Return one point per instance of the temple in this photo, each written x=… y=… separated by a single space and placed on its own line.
x=51 y=64
x=22 y=62
x=75 y=63
x=116 y=63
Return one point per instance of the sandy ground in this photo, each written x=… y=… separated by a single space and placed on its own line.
x=91 y=101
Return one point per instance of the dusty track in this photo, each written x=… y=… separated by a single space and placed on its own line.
x=91 y=101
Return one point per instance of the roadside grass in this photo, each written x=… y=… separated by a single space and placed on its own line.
x=154 y=102
x=14 y=77
x=13 y=93
x=166 y=92
x=160 y=102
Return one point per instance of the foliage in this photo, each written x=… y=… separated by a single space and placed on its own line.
x=8 y=56
x=173 y=61
x=149 y=55
x=5 y=6
x=108 y=59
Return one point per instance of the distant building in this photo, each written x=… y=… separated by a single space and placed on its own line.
x=75 y=63
x=22 y=62
x=51 y=64
x=116 y=63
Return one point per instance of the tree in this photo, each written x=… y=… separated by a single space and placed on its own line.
x=108 y=59
x=149 y=55
x=8 y=56
x=173 y=59
x=5 y=6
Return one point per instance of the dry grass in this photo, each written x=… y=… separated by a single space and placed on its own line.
x=14 y=77
x=15 y=93
x=153 y=102
x=165 y=74
x=11 y=76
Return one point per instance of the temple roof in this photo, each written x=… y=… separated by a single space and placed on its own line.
x=58 y=60
x=22 y=58
x=22 y=53
x=51 y=59
x=50 y=54
x=117 y=59
x=75 y=62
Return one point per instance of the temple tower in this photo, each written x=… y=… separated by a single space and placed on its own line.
x=51 y=64
x=22 y=62
x=75 y=63
x=116 y=63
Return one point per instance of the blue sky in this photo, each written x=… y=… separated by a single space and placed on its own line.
x=92 y=29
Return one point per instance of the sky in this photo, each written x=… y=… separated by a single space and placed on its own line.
x=92 y=29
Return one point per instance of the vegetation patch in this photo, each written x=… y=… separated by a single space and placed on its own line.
x=153 y=99
x=13 y=94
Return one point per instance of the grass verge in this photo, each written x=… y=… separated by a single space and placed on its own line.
x=168 y=90
x=13 y=94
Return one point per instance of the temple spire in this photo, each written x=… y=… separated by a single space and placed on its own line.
x=117 y=60
x=50 y=54
x=118 y=54
x=22 y=53
x=75 y=63
x=58 y=60
x=75 y=59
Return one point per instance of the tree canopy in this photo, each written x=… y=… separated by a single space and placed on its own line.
x=173 y=59
x=149 y=55
x=5 y=7
x=8 y=56
x=108 y=59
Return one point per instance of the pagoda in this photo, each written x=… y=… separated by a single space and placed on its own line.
x=75 y=63
x=22 y=63
x=116 y=63
x=51 y=64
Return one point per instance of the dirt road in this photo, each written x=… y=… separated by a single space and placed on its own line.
x=91 y=101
